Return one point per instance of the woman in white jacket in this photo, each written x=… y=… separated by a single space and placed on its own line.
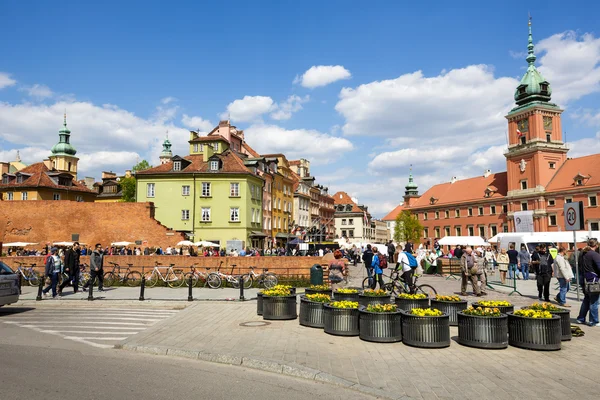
x=564 y=273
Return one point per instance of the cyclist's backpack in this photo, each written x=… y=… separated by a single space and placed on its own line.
x=412 y=261
x=383 y=264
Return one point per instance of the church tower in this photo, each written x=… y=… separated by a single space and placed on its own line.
x=63 y=153
x=535 y=145
x=166 y=154
x=412 y=190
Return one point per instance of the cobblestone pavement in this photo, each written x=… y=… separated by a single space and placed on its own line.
x=395 y=369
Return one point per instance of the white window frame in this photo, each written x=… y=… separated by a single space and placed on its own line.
x=521 y=182
x=526 y=206
x=205 y=214
x=479 y=228
x=593 y=222
x=480 y=211
x=185 y=215
x=470 y=231
x=550 y=220
x=470 y=212
x=176 y=165
x=206 y=189
x=79 y=199
x=214 y=165
x=150 y=189
x=195 y=147
x=24 y=195
x=458 y=230
x=234 y=190
x=234 y=214
x=447 y=214
x=55 y=196
x=185 y=190
x=568 y=200
x=590 y=197
x=9 y=196
x=437 y=215
x=492 y=210
x=551 y=202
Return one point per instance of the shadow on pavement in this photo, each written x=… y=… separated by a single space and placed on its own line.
x=14 y=310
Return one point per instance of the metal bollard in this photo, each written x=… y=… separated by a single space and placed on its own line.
x=20 y=283
x=91 y=292
x=142 y=287
x=242 y=289
x=40 y=288
x=190 y=297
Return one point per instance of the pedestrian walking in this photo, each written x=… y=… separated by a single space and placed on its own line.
x=513 y=262
x=467 y=263
x=591 y=274
x=52 y=270
x=503 y=261
x=524 y=261
x=564 y=274
x=391 y=250
x=337 y=268
x=377 y=271
x=71 y=268
x=543 y=273
x=367 y=258
x=96 y=268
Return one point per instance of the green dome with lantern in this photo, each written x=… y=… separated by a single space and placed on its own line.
x=533 y=87
x=63 y=147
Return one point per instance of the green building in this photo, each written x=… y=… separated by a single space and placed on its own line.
x=210 y=194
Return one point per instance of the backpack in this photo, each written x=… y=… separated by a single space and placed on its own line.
x=543 y=267
x=383 y=264
x=412 y=261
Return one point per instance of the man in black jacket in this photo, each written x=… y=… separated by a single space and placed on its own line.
x=72 y=268
x=391 y=249
x=591 y=274
x=96 y=268
x=367 y=258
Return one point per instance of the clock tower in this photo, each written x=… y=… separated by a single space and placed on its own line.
x=535 y=145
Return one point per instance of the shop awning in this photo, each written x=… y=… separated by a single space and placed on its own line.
x=257 y=234
x=284 y=236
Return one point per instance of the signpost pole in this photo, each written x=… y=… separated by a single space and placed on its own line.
x=574 y=221
x=576 y=264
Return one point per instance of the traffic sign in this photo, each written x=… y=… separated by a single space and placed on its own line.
x=574 y=216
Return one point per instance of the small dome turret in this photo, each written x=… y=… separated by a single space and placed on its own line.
x=64 y=147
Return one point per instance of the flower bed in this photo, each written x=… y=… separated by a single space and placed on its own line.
x=450 y=305
x=311 y=309
x=407 y=301
x=323 y=289
x=534 y=330
x=428 y=328
x=285 y=287
x=279 y=304
x=348 y=294
x=484 y=328
x=371 y=296
x=504 y=306
x=341 y=318
x=565 y=317
x=380 y=323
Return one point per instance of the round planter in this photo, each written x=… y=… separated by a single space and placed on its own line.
x=483 y=332
x=429 y=332
x=565 y=323
x=340 y=321
x=311 y=313
x=367 y=300
x=313 y=291
x=380 y=327
x=534 y=333
x=279 y=307
x=259 y=303
x=345 y=296
x=503 y=309
x=450 y=307
x=409 y=304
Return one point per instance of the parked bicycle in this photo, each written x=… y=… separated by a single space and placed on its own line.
x=126 y=277
x=29 y=274
x=198 y=277
x=266 y=279
x=172 y=277
x=397 y=285
x=215 y=279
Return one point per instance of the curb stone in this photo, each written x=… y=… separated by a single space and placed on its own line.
x=293 y=370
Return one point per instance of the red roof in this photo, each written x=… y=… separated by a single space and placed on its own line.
x=232 y=163
x=394 y=213
x=209 y=139
x=39 y=178
x=464 y=190
x=587 y=167
x=250 y=150
x=344 y=198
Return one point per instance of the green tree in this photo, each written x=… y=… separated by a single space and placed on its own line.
x=142 y=165
x=407 y=227
x=128 y=189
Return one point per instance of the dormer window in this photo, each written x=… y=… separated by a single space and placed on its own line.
x=214 y=165
x=580 y=180
x=432 y=200
x=177 y=166
x=544 y=88
x=521 y=89
x=5 y=179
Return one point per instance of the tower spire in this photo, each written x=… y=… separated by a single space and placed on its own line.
x=530 y=54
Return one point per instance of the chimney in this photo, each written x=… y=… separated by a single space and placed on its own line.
x=454 y=179
x=48 y=163
x=487 y=173
x=108 y=175
x=193 y=135
x=89 y=182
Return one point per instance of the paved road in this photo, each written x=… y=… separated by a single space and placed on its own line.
x=98 y=327
x=38 y=366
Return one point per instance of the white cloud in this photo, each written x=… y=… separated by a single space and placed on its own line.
x=319 y=148
x=115 y=161
x=571 y=64
x=248 y=109
x=37 y=91
x=322 y=75
x=195 y=123
x=285 y=110
x=6 y=80
x=167 y=100
x=585 y=146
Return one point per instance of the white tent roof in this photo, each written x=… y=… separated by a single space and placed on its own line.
x=64 y=243
x=185 y=243
x=203 y=243
x=463 y=241
x=122 y=243
x=18 y=244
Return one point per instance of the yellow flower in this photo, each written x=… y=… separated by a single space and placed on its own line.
x=381 y=308
x=482 y=312
x=408 y=296
x=544 y=307
x=276 y=292
x=344 y=304
x=347 y=291
x=495 y=303
x=318 y=297
x=440 y=297
x=528 y=313
x=319 y=287
x=426 y=312
x=374 y=293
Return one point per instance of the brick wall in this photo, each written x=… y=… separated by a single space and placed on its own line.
x=282 y=266
x=53 y=221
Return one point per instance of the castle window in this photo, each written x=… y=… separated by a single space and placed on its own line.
x=150 y=190
x=447 y=214
x=470 y=213
x=504 y=208
x=552 y=165
x=177 y=166
x=195 y=147
x=480 y=211
x=458 y=231
x=494 y=230
x=551 y=202
x=185 y=215
x=457 y=213
x=568 y=199
x=69 y=167
x=592 y=201
x=482 y=231
x=552 y=220
x=9 y=196
x=471 y=231
x=447 y=231
x=523 y=185
x=493 y=210
x=437 y=215
x=185 y=190
x=544 y=88
x=79 y=199
x=523 y=139
x=594 y=226
x=524 y=206
x=548 y=137
x=56 y=196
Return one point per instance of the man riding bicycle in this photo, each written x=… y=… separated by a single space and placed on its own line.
x=404 y=269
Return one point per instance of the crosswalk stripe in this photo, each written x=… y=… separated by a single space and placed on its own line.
x=88 y=317
x=107 y=315
x=96 y=338
x=94 y=332
x=80 y=324
x=126 y=328
x=108 y=311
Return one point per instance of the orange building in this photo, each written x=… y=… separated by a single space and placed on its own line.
x=540 y=177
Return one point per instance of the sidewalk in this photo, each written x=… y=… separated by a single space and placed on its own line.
x=213 y=331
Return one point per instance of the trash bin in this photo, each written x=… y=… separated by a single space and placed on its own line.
x=316 y=275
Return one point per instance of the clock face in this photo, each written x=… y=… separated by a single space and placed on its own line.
x=523 y=125
x=548 y=123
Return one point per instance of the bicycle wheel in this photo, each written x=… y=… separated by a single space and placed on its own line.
x=152 y=279
x=235 y=282
x=213 y=280
x=270 y=280
x=134 y=278
x=193 y=277
x=110 y=279
x=176 y=279
x=427 y=290
x=33 y=279
x=248 y=281
x=365 y=283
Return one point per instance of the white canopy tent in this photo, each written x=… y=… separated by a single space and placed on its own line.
x=555 y=237
x=122 y=244
x=463 y=241
x=186 y=243
x=64 y=243
x=203 y=243
x=18 y=244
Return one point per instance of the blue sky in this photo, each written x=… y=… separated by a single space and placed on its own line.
x=362 y=89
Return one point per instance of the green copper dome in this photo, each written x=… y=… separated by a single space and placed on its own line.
x=166 y=152
x=411 y=187
x=533 y=86
x=63 y=147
